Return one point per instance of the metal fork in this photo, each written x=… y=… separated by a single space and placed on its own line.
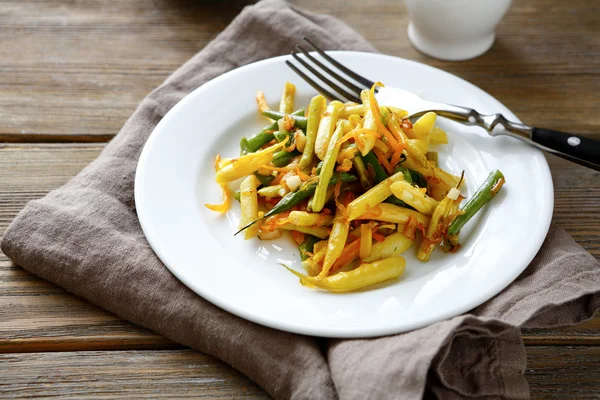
x=347 y=85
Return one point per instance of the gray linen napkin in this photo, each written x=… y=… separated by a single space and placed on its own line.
x=86 y=238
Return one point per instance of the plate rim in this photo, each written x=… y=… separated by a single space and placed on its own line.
x=329 y=332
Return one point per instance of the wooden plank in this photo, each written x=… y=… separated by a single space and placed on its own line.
x=563 y=372
x=77 y=70
x=81 y=68
x=40 y=316
x=553 y=373
x=37 y=315
x=115 y=374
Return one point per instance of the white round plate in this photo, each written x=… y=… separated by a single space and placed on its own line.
x=175 y=178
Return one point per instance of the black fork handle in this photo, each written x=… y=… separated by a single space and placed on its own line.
x=579 y=149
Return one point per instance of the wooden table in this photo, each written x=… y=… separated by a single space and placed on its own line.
x=71 y=74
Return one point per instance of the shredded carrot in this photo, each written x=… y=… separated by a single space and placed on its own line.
x=377 y=117
x=301 y=174
x=275 y=222
x=396 y=157
x=261 y=101
x=378 y=237
x=386 y=164
x=349 y=253
x=368 y=132
x=298 y=237
x=222 y=208
x=346 y=137
x=277 y=179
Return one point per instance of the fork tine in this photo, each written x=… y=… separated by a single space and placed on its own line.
x=346 y=70
x=323 y=78
x=334 y=74
x=312 y=83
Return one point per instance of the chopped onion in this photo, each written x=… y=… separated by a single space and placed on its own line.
x=453 y=194
x=293 y=182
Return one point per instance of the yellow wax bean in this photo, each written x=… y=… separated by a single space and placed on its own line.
x=303 y=218
x=249 y=205
x=336 y=242
x=414 y=197
x=392 y=246
x=364 y=275
x=327 y=126
x=372 y=197
x=395 y=214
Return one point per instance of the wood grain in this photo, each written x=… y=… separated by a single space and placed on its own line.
x=40 y=316
x=37 y=315
x=136 y=374
x=77 y=70
x=553 y=373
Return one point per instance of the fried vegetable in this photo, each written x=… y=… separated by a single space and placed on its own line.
x=440 y=220
x=486 y=192
x=364 y=275
x=299 y=120
x=372 y=197
x=249 y=205
x=294 y=198
x=286 y=104
x=438 y=136
x=337 y=240
x=327 y=126
x=318 y=201
x=315 y=109
x=414 y=197
x=247 y=164
x=397 y=215
x=318 y=231
x=255 y=142
x=392 y=246
x=366 y=241
x=303 y=218
x=307 y=247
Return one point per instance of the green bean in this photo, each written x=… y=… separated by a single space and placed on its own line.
x=237 y=195
x=255 y=142
x=328 y=166
x=308 y=246
x=299 y=121
x=281 y=135
x=315 y=109
x=361 y=169
x=306 y=190
x=264 y=179
x=381 y=175
x=283 y=158
x=319 y=167
x=371 y=159
x=328 y=198
x=406 y=172
x=418 y=179
x=484 y=194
